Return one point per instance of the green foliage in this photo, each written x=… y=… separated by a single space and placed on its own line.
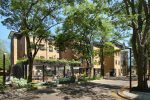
x=53 y=62
x=97 y=77
x=7 y=56
x=32 y=18
x=67 y=80
x=31 y=87
x=2 y=88
x=83 y=24
x=49 y=84
x=19 y=83
x=1 y=79
x=83 y=78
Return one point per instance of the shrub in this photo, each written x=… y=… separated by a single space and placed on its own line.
x=19 y=83
x=83 y=79
x=98 y=77
x=31 y=87
x=67 y=80
x=49 y=84
x=1 y=79
x=2 y=88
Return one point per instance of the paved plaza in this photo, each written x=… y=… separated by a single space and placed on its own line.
x=94 y=90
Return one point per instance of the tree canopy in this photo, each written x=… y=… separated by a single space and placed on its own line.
x=7 y=56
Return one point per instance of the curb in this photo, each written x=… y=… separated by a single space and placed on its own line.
x=119 y=93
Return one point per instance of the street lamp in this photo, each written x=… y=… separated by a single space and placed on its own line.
x=130 y=70
x=4 y=74
x=130 y=81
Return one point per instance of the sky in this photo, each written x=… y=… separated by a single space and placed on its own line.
x=4 y=32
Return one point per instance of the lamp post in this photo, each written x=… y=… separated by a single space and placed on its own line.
x=130 y=69
x=4 y=74
x=130 y=81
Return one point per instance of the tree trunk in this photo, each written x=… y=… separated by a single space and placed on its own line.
x=91 y=64
x=149 y=70
x=30 y=70
x=102 y=60
x=148 y=66
x=72 y=71
x=141 y=68
x=64 y=71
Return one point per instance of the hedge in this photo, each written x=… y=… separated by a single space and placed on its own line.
x=52 y=62
x=67 y=80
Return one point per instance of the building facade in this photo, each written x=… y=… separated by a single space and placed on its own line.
x=113 y=64
x=19 y=49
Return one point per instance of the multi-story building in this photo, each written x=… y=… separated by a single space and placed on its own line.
x=115 y=64
x=19 y=49
x=112 y=63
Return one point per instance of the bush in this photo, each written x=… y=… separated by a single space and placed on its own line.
x=67 y=80
x=49 y=84
x=19 y=83
x=97 y=77
x=31 y=87
x=1 y=79
x=2 y=88
x=84 y=79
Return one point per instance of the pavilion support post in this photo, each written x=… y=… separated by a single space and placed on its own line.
x=43 y=68
x=64 y=71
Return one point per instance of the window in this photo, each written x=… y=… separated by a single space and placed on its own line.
x=57 y=50
x=42 y=57
x=50 y=49
x=118 y=62
x=54 y=57
x=116 y=53
x=50 y=57
x=41 y=46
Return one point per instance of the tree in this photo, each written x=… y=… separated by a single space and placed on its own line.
x=104 y=35
x=136 y=16
x=85 y=24
x=33 y=19
x=2 y=51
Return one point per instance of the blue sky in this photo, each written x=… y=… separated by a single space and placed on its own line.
x=4 y=32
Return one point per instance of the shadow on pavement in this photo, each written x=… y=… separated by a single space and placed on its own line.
x=96 y=91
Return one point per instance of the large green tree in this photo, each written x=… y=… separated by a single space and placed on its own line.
x=2 y=51
x=135 y=16
x=86 y=24
x=33 y=19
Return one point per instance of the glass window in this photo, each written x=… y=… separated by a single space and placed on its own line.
x=42 y=47
x=50 y=57
x=42 y=57
x=50 y=49
x=118 y=62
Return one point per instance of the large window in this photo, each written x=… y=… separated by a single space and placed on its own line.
x=42 y=47
x=42 y=57
x=50 y=49
x=50 y=57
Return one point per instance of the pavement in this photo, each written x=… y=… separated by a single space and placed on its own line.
x=134 y=95
x=117 y=88
x=123 y=91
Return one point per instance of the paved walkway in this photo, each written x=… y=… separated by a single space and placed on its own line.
x=119 y=83
x=94 y=90
x=124 y=92
x=104 y=89
x=134 y=95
